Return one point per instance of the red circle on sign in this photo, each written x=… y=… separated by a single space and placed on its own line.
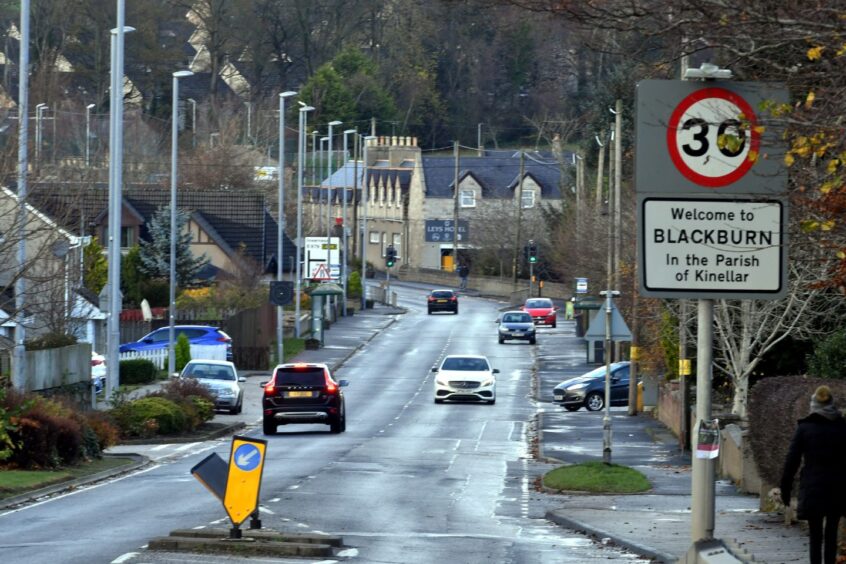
x=673 y=128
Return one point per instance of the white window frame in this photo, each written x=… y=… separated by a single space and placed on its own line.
x=375 y=237
x=397 y=243
x=531 y=198
x=466 y=202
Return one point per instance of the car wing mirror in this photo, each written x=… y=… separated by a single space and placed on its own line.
x=497 y=320
x=263 y=384
x=241 y=379
x=434 y=369
x=343 y=383
x=496 y=370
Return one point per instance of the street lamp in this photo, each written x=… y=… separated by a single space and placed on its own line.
x=115 y=200
x=38 y=110
x=88 y=109
x=329 y=195
x=364 y=238
x=301 y=141
x=193 y=122
x=280 y=315
x=344 y=259
x=319 y=184
x=174 y=137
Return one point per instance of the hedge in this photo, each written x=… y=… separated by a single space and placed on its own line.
x=137 y=371
x=775 y=405
x=148 y=416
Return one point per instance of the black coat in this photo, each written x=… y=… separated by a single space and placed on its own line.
x=821 y=444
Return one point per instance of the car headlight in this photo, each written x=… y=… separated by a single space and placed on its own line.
x=488 y=382
x=441 y=383
x=225 y=392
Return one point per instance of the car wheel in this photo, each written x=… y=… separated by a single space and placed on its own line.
x=572 y=407
x=491 y=402
x=429 y=312
x=532 y=341
x=456 y=311
x=501 y=340
x=269 y=427
x=438 y=400
x=554 y=324
x=234 y=410
x=594 y=401
x=336 y=425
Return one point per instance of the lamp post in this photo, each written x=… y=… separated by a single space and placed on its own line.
x=193 y=122
x=115 y=202
x=364 y=236
x=329 y=193
x=174 y=138
x=301 y=141
x=249 y=120
x=344 y=260
x=19 y=364
x=88 y=109
x=38 y=109
x=280 y=232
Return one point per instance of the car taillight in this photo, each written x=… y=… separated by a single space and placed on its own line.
x=223 y=339
x=431 y=299
x=331 y=387
x=453 y=299
x=269 y=389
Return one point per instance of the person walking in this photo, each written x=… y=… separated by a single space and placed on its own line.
x=463 y=273
x=820 y=443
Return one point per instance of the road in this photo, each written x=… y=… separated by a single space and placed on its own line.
x=410 y=481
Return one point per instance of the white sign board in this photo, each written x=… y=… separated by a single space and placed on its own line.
x=322 y=255
x=713 y=247
x=581 y=285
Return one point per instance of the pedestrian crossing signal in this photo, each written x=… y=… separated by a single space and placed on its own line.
x=533 y=252
x=390 y=256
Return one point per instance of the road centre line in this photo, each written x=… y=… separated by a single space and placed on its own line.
x=125 y=557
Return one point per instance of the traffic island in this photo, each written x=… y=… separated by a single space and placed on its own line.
x=255 y=542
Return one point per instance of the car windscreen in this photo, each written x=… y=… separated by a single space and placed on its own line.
x=446 y=294
x=467 y=364
x=516 y=318
x=538 y=304
x=300 y=377
x=209 y=372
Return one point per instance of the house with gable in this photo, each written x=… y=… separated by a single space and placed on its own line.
x=235 y=230
x=410 y=201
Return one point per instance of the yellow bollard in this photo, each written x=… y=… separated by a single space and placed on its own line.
x=640 y=397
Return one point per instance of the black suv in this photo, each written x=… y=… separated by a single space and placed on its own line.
x=442 y=300
x=303 y=393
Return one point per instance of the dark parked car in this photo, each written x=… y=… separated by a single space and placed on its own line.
x=303 y=393
x=442 y=300
x=588 y=390
x=197 y=335
x=516 y=325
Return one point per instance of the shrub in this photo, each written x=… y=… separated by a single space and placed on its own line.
x=182 y=351
x=104 y=429
x=829 y=357
x=50 y=341
x=137 y=371
x=35 y=444
x=193 y=398
x=134 y=418
x=769 y=434
x=354 y=285
x=69 y=440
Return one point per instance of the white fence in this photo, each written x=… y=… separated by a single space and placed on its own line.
x=159 y=357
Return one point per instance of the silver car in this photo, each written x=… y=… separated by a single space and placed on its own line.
x=221 y=377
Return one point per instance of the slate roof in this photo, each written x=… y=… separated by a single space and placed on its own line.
x=345 y=176
x=497 y=173
x=232 y=218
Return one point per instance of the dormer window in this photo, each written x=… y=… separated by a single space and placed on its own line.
x=468 y=198
x=528 y=199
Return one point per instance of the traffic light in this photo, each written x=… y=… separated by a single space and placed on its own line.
x=390 y=256
x=533 y=252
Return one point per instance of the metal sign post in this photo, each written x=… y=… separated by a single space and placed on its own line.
x=712 y=215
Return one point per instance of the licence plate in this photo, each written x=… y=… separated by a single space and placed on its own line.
x=442 y=301
x=298 y=394
x=559 y=398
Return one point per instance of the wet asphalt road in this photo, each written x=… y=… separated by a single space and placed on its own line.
x=410 y=481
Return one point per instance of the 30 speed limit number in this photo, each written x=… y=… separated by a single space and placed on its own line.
x=712 y=137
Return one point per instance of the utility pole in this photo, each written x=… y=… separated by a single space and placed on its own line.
x=599 y=170
x=481 y=150
x=519 y=217
x=372 y=128
x=618 y=181
x=456 y=196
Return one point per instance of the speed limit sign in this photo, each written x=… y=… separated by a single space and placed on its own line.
x=700 y=138
x=713 y=137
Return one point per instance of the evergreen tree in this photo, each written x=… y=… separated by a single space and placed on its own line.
x=95 y=266
x=155 y=254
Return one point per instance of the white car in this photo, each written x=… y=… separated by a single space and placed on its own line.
x=465 y=377
x=221 y=377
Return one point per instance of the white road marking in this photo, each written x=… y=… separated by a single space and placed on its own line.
x=125 y=557
x=263 y=509
x=160 y=447
x=186 y=447
x=274 y=500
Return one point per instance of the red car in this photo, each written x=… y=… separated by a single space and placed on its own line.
x=542 y=310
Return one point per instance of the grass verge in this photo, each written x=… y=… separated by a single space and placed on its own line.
x=14 y=482
x=596 y=477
